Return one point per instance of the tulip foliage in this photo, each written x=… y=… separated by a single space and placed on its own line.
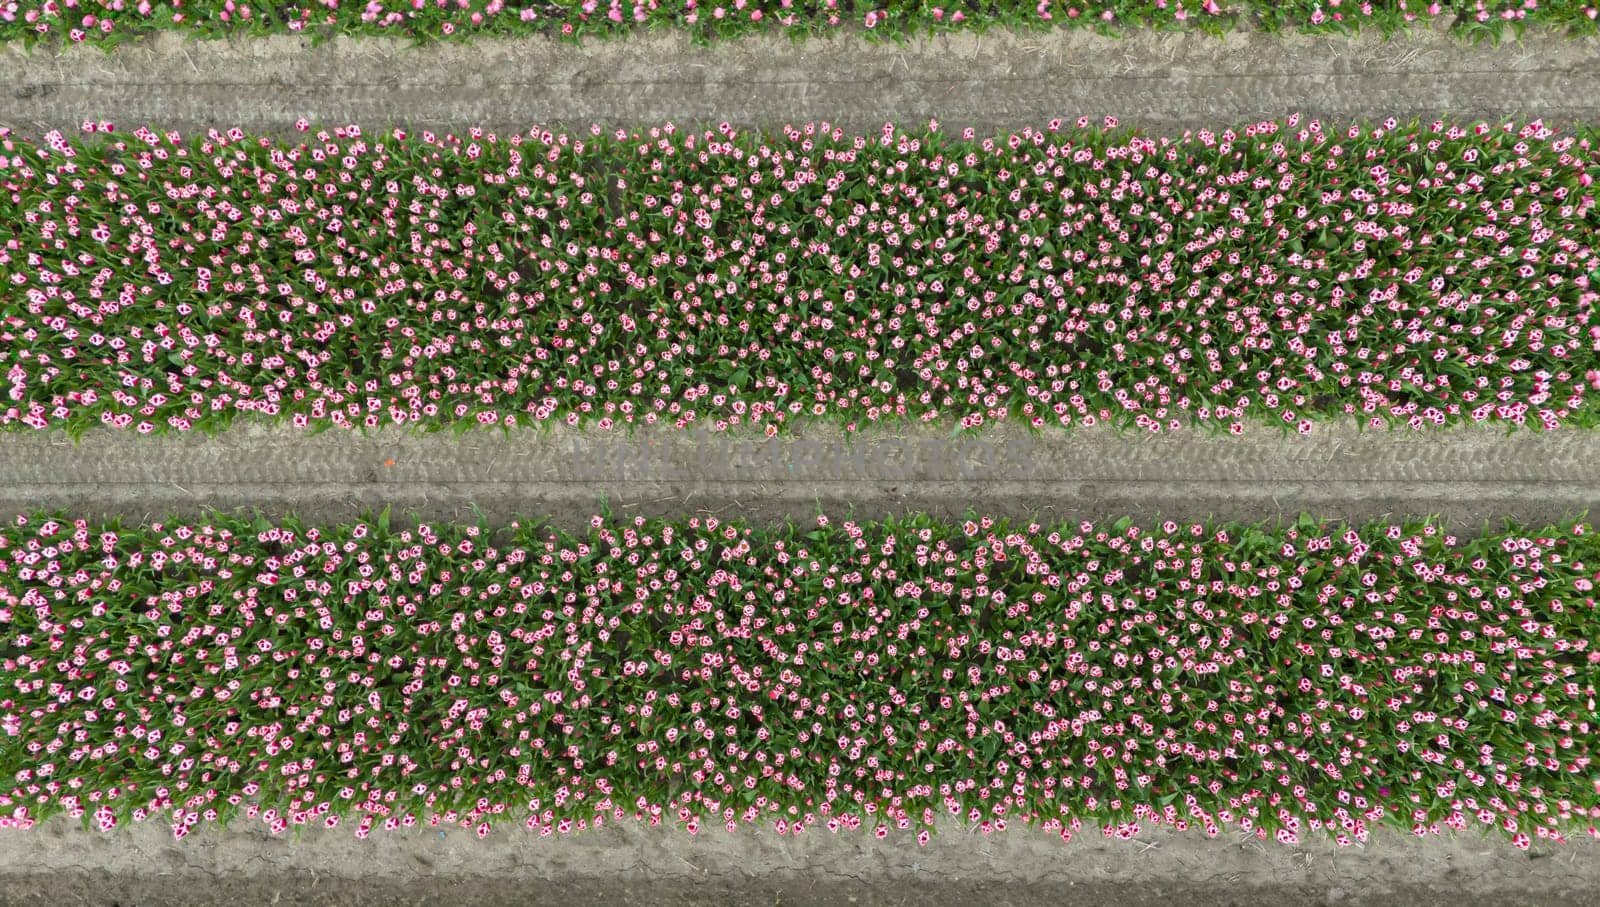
x=1284 y=272
x=1312 y=679
x=110 y=21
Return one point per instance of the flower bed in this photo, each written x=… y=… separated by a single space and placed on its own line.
x=1425 y=275
x=102 y=21
x=1310 y=679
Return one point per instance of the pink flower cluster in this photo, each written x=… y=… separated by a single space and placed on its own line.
x=1315 y=679
x=90 y=20
x=1283 y=272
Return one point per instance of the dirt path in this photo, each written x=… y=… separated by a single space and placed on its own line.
x=1466 y=475
x=998 y=81
x=625 y=863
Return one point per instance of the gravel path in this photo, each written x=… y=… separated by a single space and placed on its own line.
x=1466 y=475
x=998 y=81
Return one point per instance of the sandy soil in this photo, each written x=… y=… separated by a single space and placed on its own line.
x=60 y=864
x=1468 y=475
x=996 y=81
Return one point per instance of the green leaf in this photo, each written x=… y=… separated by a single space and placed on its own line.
x=990 y=747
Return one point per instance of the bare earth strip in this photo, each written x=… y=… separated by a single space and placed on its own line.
x=626 y=863
x=1467 y=475
x=994 y=82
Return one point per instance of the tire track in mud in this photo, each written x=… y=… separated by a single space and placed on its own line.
x=1158 y=81
x=1466 y=475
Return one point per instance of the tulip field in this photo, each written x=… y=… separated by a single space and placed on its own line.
x=1419 y=275
x=1310 y=679
x=117 y=20
x=1311 y=695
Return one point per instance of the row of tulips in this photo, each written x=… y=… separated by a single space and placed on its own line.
x=109 y=21
x=1313 y=679
x=1422 y=274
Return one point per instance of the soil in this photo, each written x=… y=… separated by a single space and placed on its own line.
x=1158 y=81
x=1467 y=475
x=60 y=864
